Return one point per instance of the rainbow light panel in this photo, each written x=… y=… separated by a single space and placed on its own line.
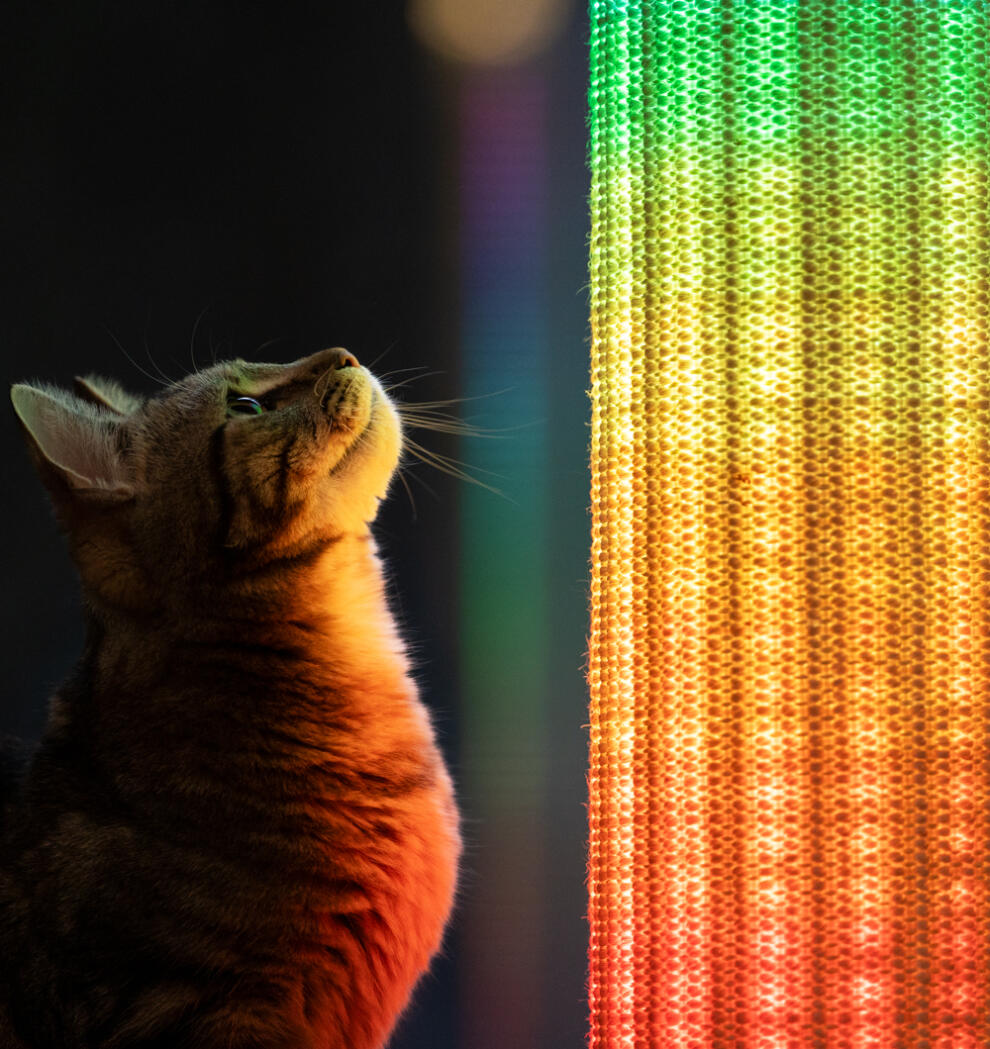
x=502 y=554
x=790 y=640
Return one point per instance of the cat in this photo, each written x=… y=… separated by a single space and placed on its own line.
x=237 y=830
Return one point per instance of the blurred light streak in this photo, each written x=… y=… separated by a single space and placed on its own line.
x=503 y=553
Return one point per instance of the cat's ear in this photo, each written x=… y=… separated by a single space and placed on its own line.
x=76 y=446
x=106 y=393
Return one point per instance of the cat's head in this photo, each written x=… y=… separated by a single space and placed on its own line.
x=238 y=465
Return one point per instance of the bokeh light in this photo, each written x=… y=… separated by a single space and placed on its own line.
x=488 y=32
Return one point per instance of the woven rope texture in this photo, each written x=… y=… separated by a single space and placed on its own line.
x=790 y=642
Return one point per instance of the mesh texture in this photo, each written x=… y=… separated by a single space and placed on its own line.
x=790 y=642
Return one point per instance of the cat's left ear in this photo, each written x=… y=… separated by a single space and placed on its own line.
x=76 y=446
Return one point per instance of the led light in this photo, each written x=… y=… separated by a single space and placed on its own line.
x=789 y=657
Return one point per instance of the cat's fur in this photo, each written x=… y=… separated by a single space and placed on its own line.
x=237 y=831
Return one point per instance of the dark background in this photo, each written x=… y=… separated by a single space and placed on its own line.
x=186 y=181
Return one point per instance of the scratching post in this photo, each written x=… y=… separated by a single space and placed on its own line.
x=790 y=641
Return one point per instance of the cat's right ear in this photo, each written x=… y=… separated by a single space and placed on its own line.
x=77 y=447
x=105 y=393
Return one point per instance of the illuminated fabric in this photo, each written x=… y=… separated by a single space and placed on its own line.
x=790 y=641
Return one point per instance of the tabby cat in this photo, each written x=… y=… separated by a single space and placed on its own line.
x=237 y=830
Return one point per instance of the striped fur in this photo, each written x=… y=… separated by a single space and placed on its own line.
x=238 y=831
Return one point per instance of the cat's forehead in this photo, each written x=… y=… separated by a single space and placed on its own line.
x=239 y=374
x=235 y=374
x=250 y=378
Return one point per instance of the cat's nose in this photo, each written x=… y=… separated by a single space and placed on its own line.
x=343 y=359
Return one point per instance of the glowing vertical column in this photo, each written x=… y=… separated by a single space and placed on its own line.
x=788 y=778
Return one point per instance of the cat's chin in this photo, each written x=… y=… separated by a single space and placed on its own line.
x=359 y=479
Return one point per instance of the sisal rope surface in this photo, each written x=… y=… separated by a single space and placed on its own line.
x=789 y=658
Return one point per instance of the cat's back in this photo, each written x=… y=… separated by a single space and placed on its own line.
x=299 y=923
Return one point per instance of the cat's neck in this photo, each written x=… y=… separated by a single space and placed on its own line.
x=328 y=619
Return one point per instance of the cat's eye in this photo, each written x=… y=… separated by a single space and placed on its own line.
x=244 y=406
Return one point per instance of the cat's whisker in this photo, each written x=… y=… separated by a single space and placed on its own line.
x=120 y=347
x=441 y=425
x=429 y=409
x=425 y=408
x=412 y=378
x=405 y=484
x=192 y=338
x=449 y=460
x=216 y=347
x=388 y=388
x=316 y=386
x=270 y=342
x=167 y=379
x=419 y=480
x=425 y=415
x=463 y=400
x=399 y=371
x=448 y=466
x=388 y=349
